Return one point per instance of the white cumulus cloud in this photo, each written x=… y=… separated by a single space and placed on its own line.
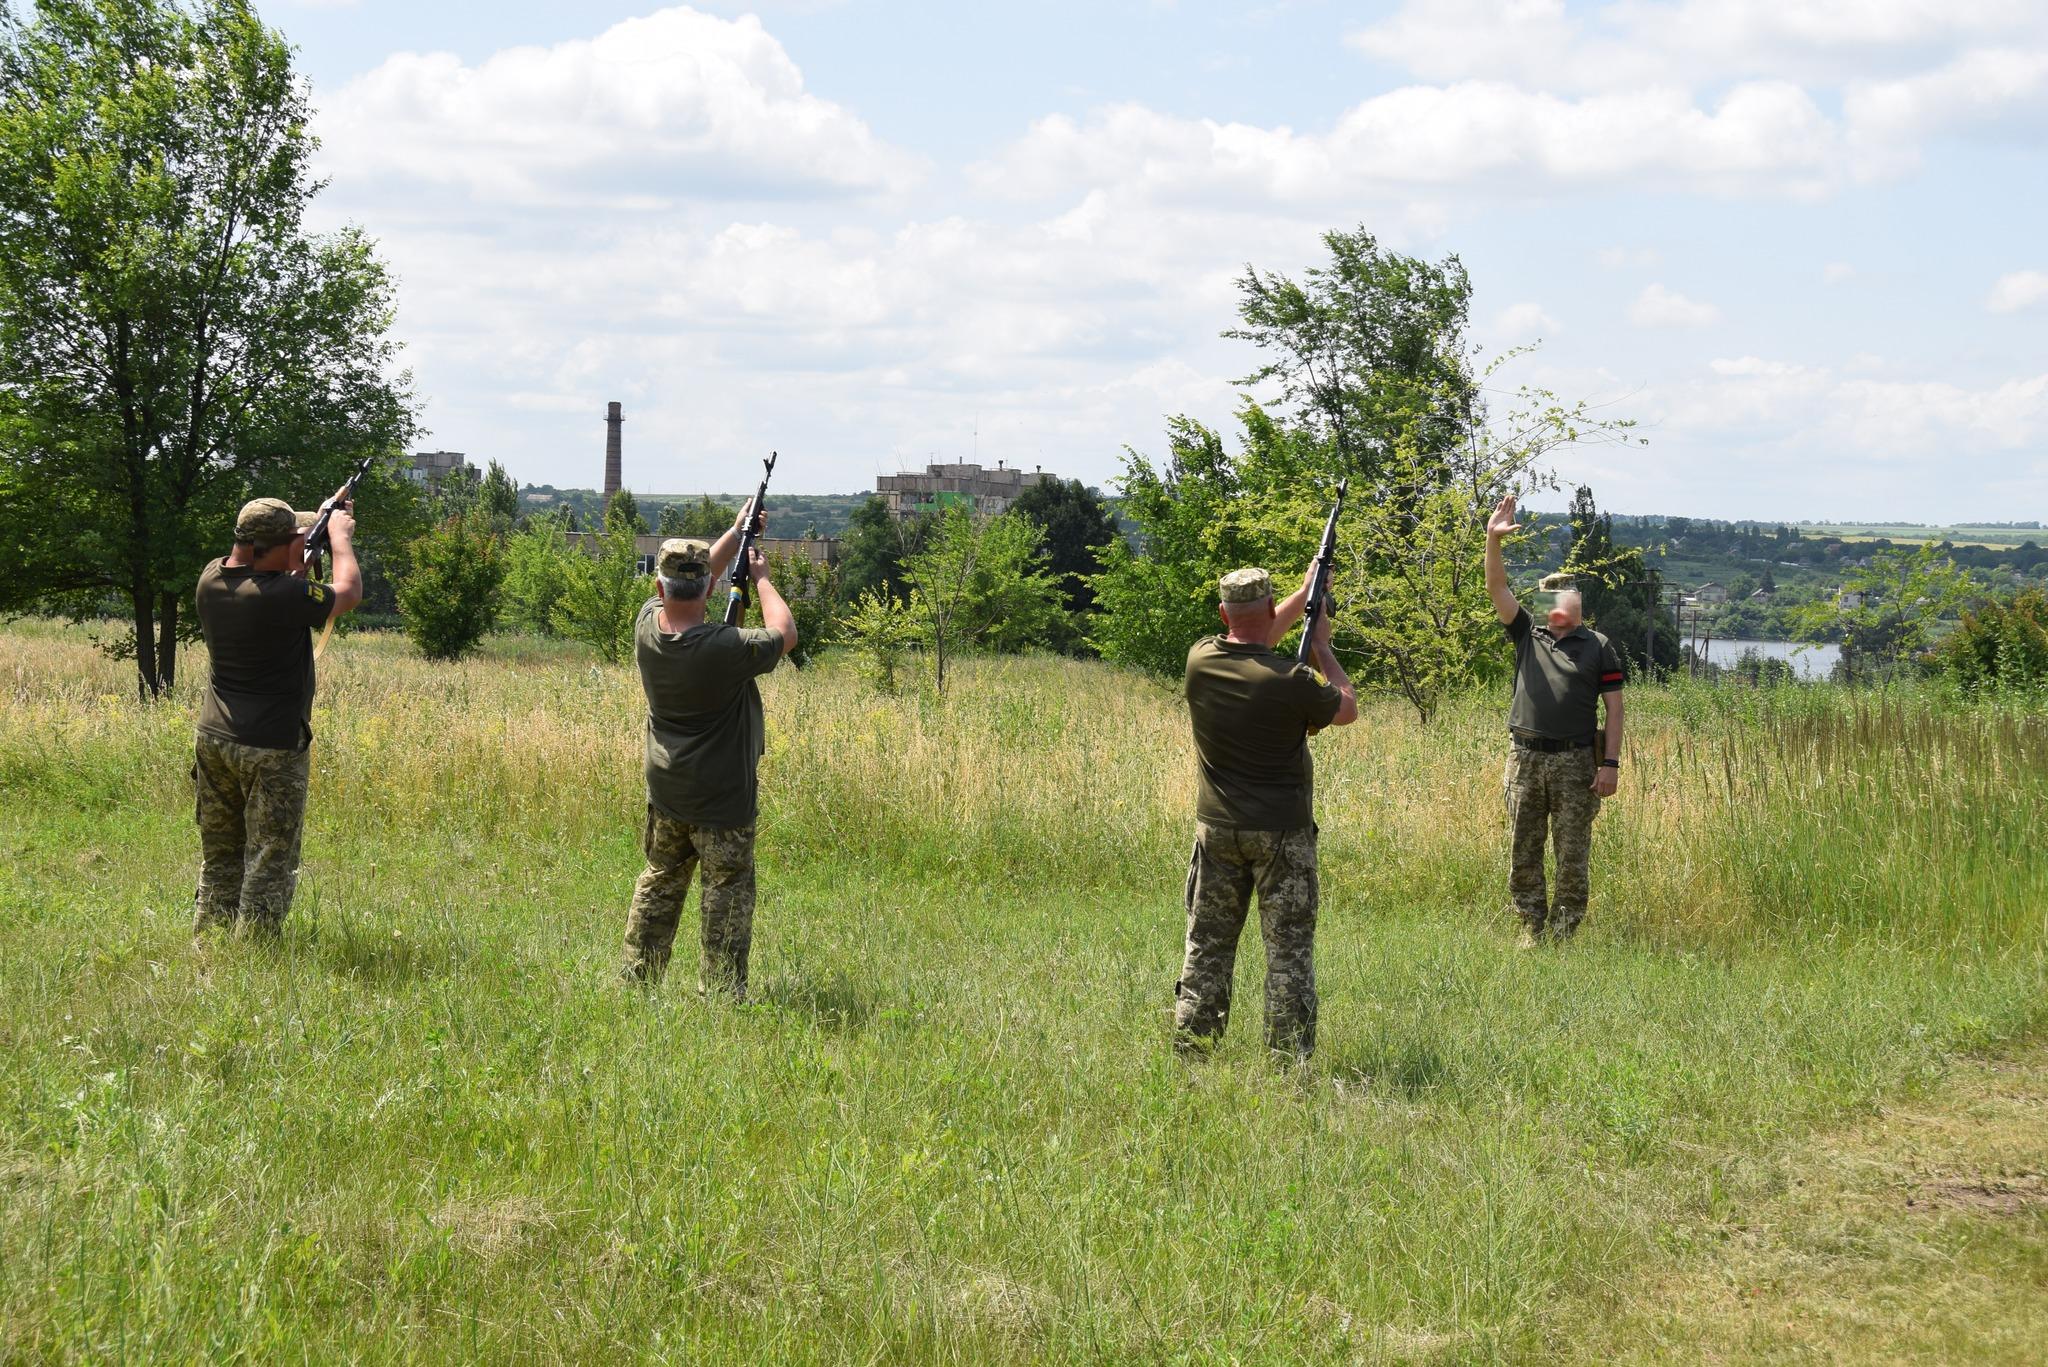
x=2019 y=290
x=1660 y=307
x=676 y=105
x=1525 y=322
x=1760 y=138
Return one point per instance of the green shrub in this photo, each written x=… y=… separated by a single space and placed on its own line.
x=449 y=595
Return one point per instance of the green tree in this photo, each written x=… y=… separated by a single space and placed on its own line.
x=871 y=552
x=1368 y=350
x=603 y=588
x=1076 y=526
x=811 y=588
x=623 y=510
x=670 y=522
x=1156 y=597
x=980 y=583
x=172 y=340
x=707 y=519
x=459 y=493
x=449 y=593
x=1415 y=580
x=536 y=571
x=1886 y=609
x=498 y=498
x=1621 y=589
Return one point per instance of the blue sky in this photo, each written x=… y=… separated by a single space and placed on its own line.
x=1802 y=242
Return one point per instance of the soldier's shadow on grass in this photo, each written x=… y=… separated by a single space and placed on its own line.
x=361 y=952
x=1411 y=1069
x=836 y=1005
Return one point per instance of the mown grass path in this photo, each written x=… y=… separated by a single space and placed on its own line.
x=428 y=1126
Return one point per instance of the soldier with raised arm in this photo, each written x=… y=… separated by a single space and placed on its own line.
x=1253 y=711
x=1561 y=761
x=705 y=735
x=258 y=611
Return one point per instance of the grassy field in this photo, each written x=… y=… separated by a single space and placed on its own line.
x=1962 y=534
x=429 y=1126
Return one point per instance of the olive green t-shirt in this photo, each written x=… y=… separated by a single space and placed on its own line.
x=1252 y=711
x=1559 y=679
x=258 y=626
x=704 y=725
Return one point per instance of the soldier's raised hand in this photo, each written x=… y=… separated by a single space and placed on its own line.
x=748 y=517
x=1503 y=523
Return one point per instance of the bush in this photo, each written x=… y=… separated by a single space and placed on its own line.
x=880 y=630
x=811 y=588
x=536 y=574
x=449 y=595
x=2001 y=646
x=602 y=594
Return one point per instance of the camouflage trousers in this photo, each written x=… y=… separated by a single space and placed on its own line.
x=674 y=851
x=1551 y=794
x=250 y=804
x=1227 y=867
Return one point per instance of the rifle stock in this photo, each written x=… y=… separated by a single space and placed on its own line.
x=1318 y=604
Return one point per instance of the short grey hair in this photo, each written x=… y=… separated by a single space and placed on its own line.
x=687 y=590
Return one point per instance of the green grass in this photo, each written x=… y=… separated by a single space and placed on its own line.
x=428 y=1125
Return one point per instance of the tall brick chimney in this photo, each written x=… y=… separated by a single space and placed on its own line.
x=612 y=473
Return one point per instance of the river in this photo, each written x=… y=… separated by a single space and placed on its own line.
x=1808 y=661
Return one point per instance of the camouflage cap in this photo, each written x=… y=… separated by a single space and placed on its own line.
x=1557 y=583
x=1245 y=586
x=270 y=522
x=683 y=558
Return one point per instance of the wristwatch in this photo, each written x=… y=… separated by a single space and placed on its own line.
x=1610 y=764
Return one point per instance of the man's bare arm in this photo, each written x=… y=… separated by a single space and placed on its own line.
x=1333 y=670
x=1288 y=610
x=347 y=581
x=1498 y=528
x=775 y=613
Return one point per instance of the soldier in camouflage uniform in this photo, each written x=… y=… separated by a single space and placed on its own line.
x=704 y=738
x=1253 y=711
x=1561 y=763
x=258 y=611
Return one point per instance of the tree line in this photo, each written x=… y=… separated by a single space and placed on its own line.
x=173 y=340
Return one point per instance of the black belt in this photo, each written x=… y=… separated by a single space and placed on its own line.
x=1548 y=746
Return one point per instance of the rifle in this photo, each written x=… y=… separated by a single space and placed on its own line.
x=316 y=540
x=316 y=535
x=1318 y=604
x=750 y=535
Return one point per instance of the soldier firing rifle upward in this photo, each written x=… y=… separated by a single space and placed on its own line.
x=257 y=609
x=1253 y=711
x=705 y=734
